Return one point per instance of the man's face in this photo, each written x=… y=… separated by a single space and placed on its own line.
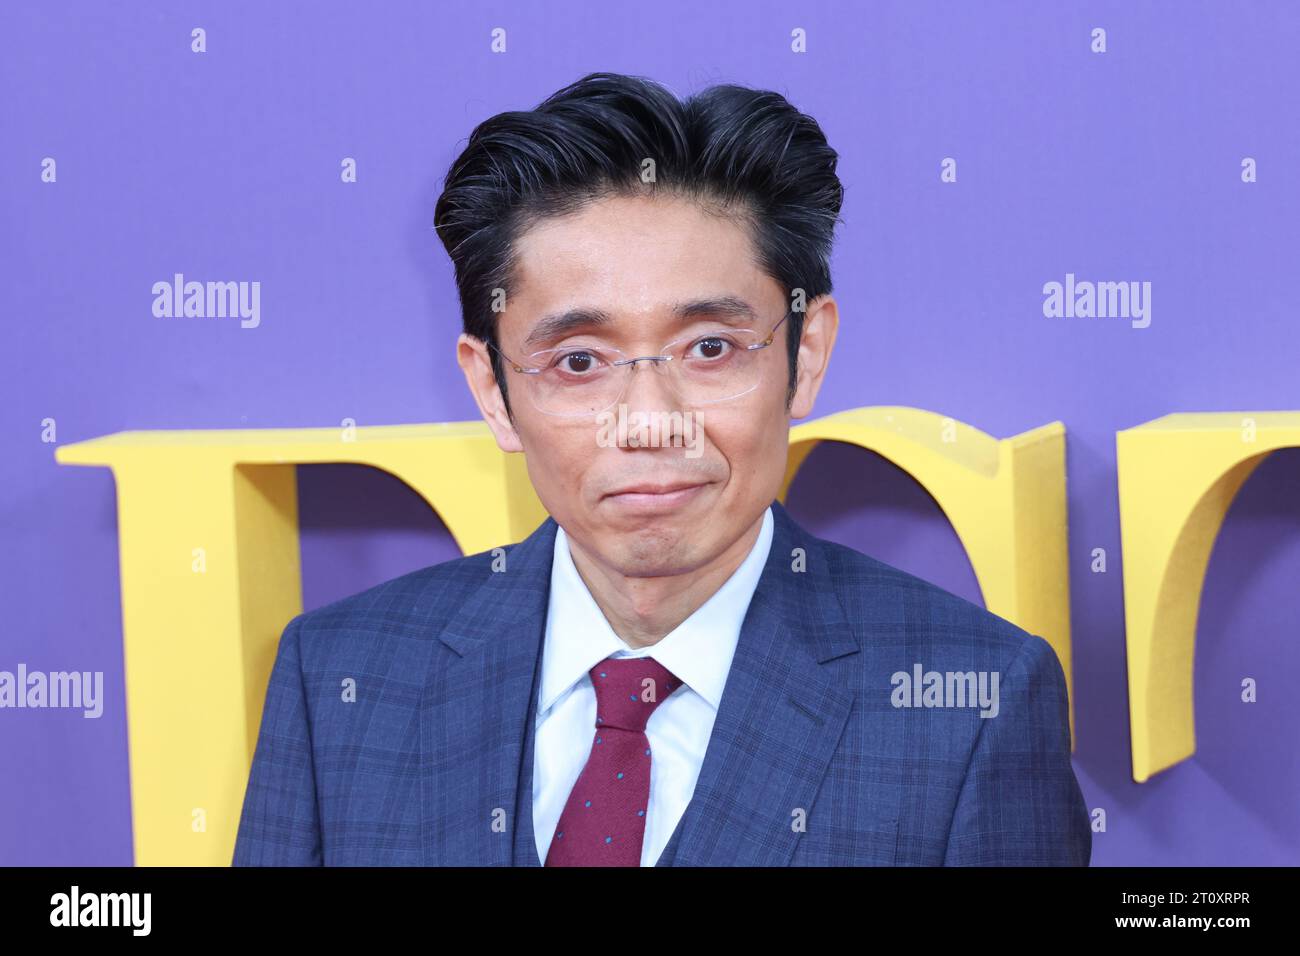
x=638 y=260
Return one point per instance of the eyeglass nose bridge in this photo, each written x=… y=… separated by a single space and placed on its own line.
x=643 y=358
x=630 y=363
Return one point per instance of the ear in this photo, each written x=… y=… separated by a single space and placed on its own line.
x=820 y=324
x=474 y=360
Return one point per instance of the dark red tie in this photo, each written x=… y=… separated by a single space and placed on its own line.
x=603 y=823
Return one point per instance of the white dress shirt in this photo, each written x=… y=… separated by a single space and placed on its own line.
x=698 y=651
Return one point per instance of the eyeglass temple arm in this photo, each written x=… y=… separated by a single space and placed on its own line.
x=771 y=335
x=513 y=364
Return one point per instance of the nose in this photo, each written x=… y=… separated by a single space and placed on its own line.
x=651 y=390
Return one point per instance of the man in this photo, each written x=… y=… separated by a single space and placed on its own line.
x=669 y=670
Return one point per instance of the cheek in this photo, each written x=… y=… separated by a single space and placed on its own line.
x=771 y=450
x=557 y=458
x=748 y=439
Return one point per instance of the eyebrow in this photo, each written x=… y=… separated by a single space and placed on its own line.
x=729 y=308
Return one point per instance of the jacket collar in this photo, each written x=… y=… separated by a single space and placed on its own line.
x=778 y=699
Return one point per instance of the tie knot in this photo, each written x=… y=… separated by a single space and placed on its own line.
x=628 y=689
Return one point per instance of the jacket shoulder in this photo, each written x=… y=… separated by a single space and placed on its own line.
x=880 y=599
x=405 y=605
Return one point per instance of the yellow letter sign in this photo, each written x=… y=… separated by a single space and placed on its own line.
x=1177 y=477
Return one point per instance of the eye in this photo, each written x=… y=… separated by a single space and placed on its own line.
x=579 y=362
x=710 y=348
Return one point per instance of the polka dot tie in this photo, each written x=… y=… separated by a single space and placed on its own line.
x=603 y=823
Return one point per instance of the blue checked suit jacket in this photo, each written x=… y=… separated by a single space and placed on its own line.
x=810 y=763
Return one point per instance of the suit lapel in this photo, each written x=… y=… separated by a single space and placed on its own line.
x=475 y=704
x=525 y=839
x=780 y=719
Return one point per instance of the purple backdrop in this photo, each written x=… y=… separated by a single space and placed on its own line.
x=225 y=165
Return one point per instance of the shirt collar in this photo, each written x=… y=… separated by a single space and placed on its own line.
x=698 y=651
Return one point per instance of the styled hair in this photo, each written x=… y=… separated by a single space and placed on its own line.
x=743 y=152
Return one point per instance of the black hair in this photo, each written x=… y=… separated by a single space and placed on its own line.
x=744 y=151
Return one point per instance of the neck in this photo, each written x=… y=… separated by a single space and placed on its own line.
x=643 y=611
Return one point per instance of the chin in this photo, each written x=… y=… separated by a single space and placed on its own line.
x=657 y=552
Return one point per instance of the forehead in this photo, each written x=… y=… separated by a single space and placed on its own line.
x=631 y=256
